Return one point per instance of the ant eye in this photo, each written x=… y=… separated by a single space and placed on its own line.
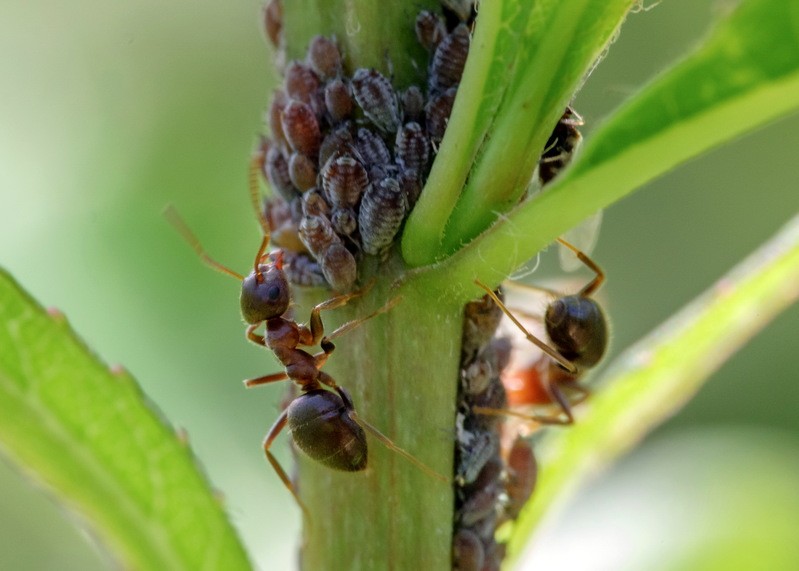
x=273 y=293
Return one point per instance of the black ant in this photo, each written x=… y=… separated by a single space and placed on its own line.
x=322 y=419
x=578 y=335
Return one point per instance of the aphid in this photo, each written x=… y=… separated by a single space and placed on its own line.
x=412 y=100
x=467 y=551
x=412 y=149
x=382 y=210
x=302 y=270
x=302 y=172
x=273 y=21
x=324 y=57
x=461 y=8
x=301 y=128
x=317 y=234
x=276 y=168
x=561 y=146
x=338 y=266
x=438 y=110
x=338 y=100
x=274 y=117
x=411 y=187
x=483 y=499
x=474 y=451
x=480 y=321
x=344 y=221
x=449 y=59
x=522 y=470
x=430 y=30
x=304 y=85
x=314 y=204
x=376 y=97
x=344 y=180
x=336 y=142
x=578 y=337
x=322 y=419
x=372 y=149
x=283 y=229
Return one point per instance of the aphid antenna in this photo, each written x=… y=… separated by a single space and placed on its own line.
x=172 y=216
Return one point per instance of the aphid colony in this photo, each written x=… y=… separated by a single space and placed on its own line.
x=480 y=470
x=348 y=154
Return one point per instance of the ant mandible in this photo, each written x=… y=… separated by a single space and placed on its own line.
x=578 y=333
x=322 y=419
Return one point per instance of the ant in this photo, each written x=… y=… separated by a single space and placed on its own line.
x=322 y=419
x=578 y=335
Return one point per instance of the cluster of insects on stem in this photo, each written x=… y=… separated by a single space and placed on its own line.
x=322 y=419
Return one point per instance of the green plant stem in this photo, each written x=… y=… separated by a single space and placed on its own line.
x=402 y=370
x=369 y=33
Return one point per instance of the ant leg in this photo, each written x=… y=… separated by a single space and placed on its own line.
x=582 y=392
x=530 y=337
x=277 y=427
x=327 y=344
x=315 y=330
x=350 y=325
x=594 y=284
x=266 y=379
x=253 y=336
x=385 y=440
x=537 y=418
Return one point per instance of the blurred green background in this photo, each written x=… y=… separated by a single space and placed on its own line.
x=109 y=111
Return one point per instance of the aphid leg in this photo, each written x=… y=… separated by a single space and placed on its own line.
x=277 y=427
x=530 y=337
x=266 y=379
x=594 y=284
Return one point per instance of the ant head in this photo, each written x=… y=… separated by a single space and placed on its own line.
x=265 y=292
x=322 y=427
x=578 y=329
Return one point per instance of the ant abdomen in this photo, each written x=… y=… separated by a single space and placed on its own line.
x=322 y=427
x=578 y=329
x=264 y=294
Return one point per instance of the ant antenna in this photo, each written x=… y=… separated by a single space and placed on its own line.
x=174 y=218
x=594 y=284
x=256 y=166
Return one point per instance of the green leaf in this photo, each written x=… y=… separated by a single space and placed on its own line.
x=494 y=44
x=541 y=51
x=90 y=436
x=745 y=75
x=653 y=379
